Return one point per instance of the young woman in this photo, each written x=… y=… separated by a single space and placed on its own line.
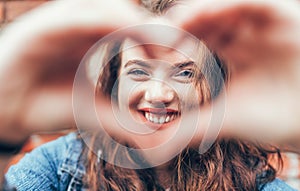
x=154 y=89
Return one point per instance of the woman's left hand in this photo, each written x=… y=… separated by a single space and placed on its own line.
x=260 y=42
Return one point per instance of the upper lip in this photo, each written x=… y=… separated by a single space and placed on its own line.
x=160 y=111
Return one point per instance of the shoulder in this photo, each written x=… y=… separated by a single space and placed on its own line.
x=55 y=151
x=62 y=143
x=277 y=185
x=38 y=169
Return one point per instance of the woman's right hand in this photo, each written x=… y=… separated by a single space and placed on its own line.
x=39 y=55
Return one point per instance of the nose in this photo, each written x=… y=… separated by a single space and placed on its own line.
x=159 y=92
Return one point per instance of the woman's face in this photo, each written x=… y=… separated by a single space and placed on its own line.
x=156 y=84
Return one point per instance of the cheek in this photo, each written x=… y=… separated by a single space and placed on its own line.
x=129 y=93
x=123 y=95
x=188 y=95
x=193 y=97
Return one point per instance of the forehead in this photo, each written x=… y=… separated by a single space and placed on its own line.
x=186 y=51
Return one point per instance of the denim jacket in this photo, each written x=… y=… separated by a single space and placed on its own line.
x=57 y=166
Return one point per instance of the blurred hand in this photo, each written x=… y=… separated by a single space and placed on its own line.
x=39 y=55
x=259 y=40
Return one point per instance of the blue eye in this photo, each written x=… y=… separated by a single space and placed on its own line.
x=138 y=72
x=185 y=73
x=184 y=76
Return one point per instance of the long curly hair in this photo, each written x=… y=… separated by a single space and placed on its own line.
x=230 y=164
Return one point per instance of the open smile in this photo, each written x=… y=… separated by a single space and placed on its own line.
x=159 y=116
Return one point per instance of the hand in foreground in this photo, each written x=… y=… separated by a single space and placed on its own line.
x=259 y=40
x=39 y=55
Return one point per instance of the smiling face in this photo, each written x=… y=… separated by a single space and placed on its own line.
x=155 y=85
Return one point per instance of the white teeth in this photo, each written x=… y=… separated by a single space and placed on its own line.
x=172 y=117
x=150 y=117
x=162 y=120
x=167 y=119
x=155 y=120
x=159 y=119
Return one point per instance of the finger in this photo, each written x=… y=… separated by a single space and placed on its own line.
x=88 y=14
x=237 y=28
x=49 y=109
x=46 y=24
x=260 y=111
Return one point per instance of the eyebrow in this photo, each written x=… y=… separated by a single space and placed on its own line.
x=145 y=64
x=183 y=64
x=137 y=62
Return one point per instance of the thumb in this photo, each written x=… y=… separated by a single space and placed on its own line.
x=257 y=111
x=49 y=109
